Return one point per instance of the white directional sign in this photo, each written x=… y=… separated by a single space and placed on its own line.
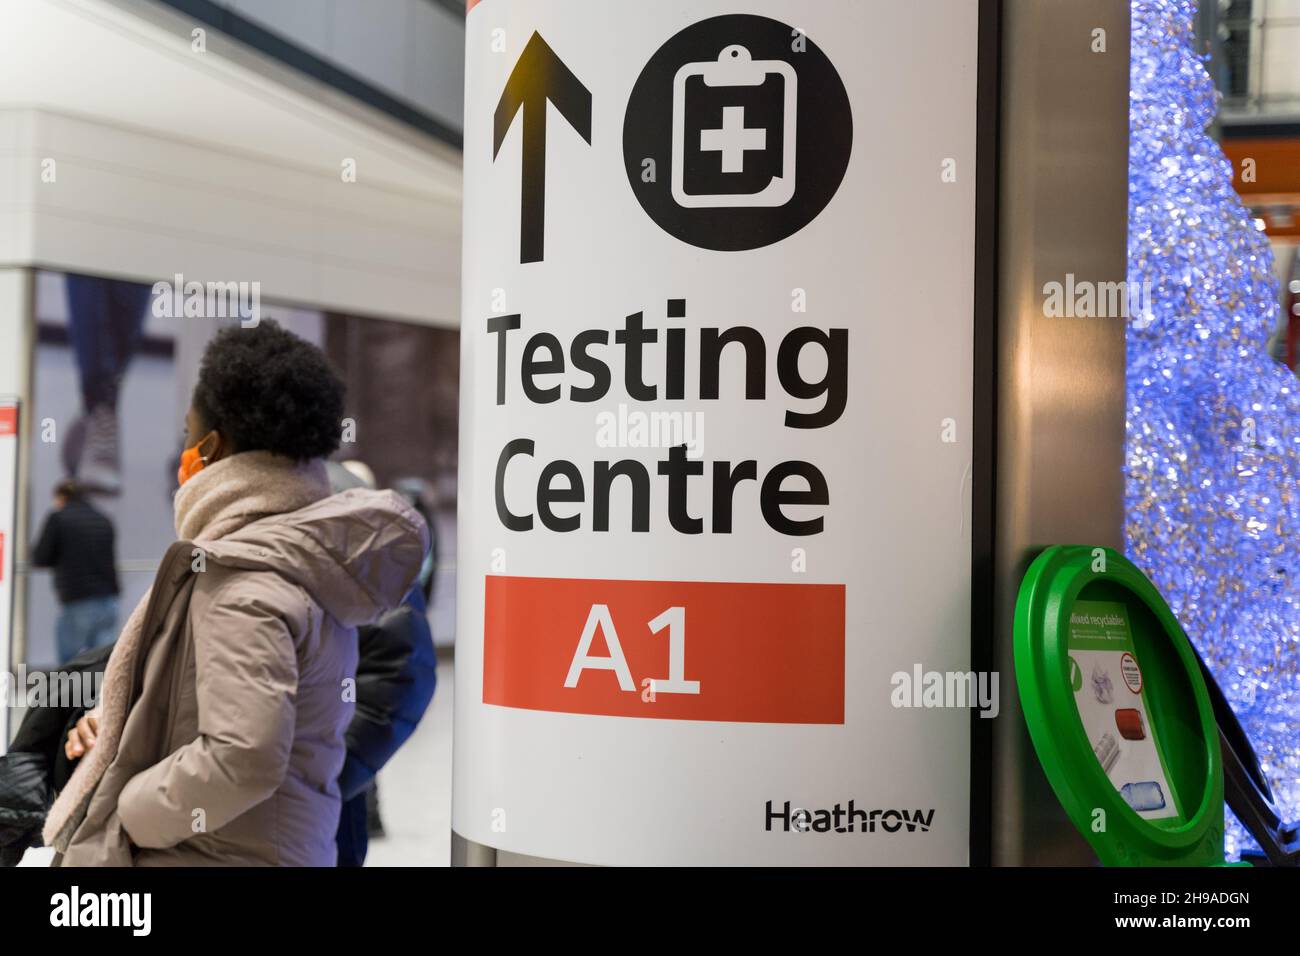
x=716 y=431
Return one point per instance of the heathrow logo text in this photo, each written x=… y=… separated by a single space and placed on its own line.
x=841 y=819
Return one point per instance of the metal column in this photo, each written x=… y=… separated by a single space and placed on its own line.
x=1059 y=382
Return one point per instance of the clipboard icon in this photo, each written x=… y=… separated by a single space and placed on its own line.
x=742 y=140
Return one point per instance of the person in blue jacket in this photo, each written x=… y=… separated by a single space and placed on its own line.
x=396 y=677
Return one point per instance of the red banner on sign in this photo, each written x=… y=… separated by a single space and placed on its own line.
x=8 y=420
x=678 y=650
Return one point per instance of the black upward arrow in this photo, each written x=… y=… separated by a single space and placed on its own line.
x=539 y=76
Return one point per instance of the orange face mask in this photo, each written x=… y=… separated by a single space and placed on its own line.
x=191 y=462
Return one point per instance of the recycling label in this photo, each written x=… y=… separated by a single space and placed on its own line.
x=1115 y=713
x=716 y=398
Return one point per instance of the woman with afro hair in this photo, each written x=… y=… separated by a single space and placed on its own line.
x=219 y=734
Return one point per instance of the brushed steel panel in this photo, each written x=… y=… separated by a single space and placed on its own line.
x=1063 y=208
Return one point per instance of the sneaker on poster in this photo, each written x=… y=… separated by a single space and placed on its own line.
x=99 y=468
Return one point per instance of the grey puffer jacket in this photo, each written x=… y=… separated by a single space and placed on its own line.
x=233 y=744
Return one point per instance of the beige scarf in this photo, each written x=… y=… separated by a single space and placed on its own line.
x=218 y=501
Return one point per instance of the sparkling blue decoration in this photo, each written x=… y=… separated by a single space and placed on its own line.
x=1213 y=457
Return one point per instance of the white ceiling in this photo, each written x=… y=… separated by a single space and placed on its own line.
x=94 y=59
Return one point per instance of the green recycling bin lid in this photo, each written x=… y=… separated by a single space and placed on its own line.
x=1118 y=711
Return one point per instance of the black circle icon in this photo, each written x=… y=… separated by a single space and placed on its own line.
x=737 y=134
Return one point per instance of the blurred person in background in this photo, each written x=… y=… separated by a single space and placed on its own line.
x=420 y=495
x=77 y=542
x=397 y=672
x=218 y=738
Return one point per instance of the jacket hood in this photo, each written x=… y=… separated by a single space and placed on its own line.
x=356 y=553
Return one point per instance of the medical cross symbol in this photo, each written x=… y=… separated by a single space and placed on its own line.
x=733 y=140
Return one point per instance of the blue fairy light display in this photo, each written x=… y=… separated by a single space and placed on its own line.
x=1212 y=470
